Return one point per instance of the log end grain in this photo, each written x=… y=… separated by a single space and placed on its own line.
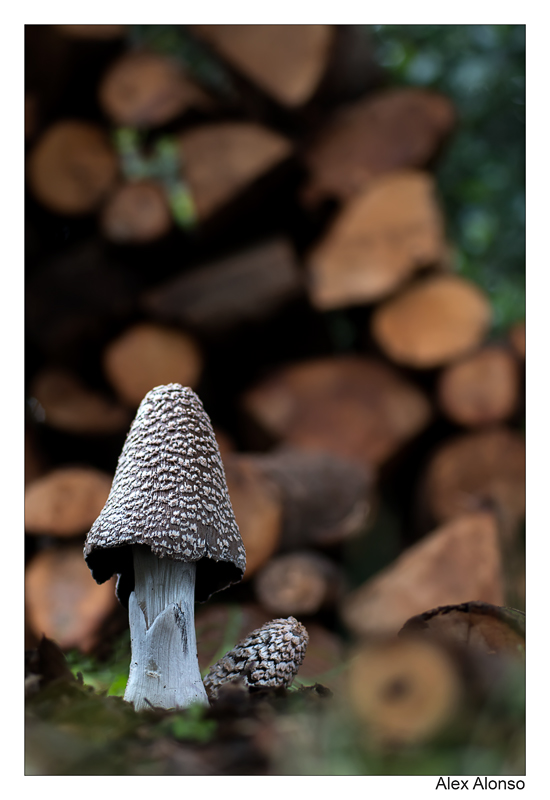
x=482 y=469
x=70 y=406
x=298 y=583
x=386 y=131
x=136 y=213
x=381 y=237
x=432 y=322
x=72 y=167
x=286 y=61
x=480 y=389
x=66 y=501
x=457 y=563
x=357 y=408
x=219 y=161
x=148 y=355
x=63 y=601
x=145 y=90
x=403 y=691
x=258 y=510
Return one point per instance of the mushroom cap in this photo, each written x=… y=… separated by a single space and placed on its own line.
x=170 y=494
x=269 y=657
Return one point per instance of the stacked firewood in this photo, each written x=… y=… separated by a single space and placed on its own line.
x=259 y=219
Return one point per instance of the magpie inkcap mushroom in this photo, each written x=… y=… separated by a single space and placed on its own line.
x=169 y=532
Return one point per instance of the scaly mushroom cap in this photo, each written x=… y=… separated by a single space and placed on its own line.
x=269 y=657
x=169 y=493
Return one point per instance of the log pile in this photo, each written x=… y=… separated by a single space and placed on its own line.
x=291 y=265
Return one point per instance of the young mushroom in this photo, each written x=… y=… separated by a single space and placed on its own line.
x=168 y=531
x=269 y=657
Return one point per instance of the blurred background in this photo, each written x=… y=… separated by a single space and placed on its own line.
x=321 y=230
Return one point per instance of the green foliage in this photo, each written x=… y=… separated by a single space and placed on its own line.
x=108 y=676
x=481 y=174
x=162 y=165
x=176 y=42
x=190 y=724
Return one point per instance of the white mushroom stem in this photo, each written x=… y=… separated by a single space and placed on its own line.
x=164 y=670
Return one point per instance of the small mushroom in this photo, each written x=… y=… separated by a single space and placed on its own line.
x=168 y=531
x=269 y=657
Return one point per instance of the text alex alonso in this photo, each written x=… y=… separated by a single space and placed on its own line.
x=479 y=783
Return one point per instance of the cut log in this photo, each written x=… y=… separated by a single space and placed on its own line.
x=63 y=601
x=404 y=691
x=74 y=297
x=69 y=405
x=136 y=213
x=480 y=389
x=145 y=90
x=101 y=32
x=325 y=498
x=381 y=237
x=72 y=167
x=433 y=322
x=66 y=501
x=457 y=563
x=148 y=355
x=517 y=338
x=487 y=628
x=258 y=510
x=298 y=583
x=353 y=407
x=484 y=469
x=219 y=161
x=383 y=132
x=245 y=286
x=286 y=61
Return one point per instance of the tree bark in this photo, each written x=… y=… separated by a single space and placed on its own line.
x=325 y=499
x=245 y=286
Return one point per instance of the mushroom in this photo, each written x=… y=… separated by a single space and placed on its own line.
x=269 y=657
x=168 y=531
